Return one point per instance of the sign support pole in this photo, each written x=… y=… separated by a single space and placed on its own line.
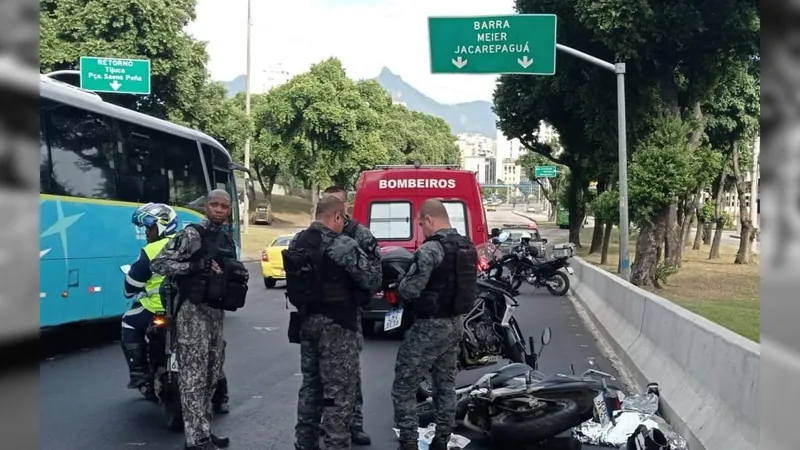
x=624 y=224
x=246 y=218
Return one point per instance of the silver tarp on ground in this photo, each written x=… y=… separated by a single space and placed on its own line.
x=637 y=409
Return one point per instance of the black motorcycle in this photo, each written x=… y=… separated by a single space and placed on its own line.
x=524 y=264
x=517 y=405
x=163 y=362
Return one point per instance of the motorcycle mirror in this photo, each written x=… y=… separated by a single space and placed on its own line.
x=496 y=241
x=544 y=241
x=546 y=335
x=125 y=269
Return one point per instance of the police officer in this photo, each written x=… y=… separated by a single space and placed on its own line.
x=438 y=288
x=325 y=297
x=366 y=240
x=160 y=223
x=200 y=346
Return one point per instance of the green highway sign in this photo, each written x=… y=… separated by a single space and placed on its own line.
x=546 y=171
x=520 y=44
x=115 y=75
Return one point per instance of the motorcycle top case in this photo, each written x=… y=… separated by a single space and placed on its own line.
x=395 y=262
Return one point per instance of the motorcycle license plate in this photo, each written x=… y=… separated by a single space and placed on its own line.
x=393 y=319
x=173 y=362
x=602 y=410
x=570 y=270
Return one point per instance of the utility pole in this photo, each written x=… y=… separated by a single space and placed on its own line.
x=247 y=112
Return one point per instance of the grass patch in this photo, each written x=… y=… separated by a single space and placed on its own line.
x=291 y=211
x=719 y=290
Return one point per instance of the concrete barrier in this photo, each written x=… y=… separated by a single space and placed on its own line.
x=708 y=375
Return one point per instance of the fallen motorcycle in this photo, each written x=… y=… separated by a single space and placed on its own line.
x=517 y=404
x=163 y=362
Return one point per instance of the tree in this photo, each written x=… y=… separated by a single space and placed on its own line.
x=734 y=107
x=551 y=186
x=146 y=29
x=606 y=213
x=677 y=52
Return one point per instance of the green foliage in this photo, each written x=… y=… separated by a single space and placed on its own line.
x=606 y=207
x=661 y=170
x=706 y=212
x=663 y=271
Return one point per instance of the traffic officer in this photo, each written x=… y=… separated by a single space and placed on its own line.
x=438 y=288
x=334 y=268
x=366 y=240
x=160 y=223
x=200 y=346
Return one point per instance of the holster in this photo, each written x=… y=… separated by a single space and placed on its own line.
x=295 y=323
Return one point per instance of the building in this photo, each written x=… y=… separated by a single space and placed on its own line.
x=274 y=75
x=477 y=155
x=509 y=151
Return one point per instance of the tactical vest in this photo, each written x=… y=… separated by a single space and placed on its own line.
x=452 y=286
x=227 y=290
x=151 y=300
x=315 y=284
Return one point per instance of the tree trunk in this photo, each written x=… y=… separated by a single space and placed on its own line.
x=314 y=198
x=689 y=216
x=553 y=209
x=698 y=236
x=659 y=253
x=746 y=233
x=687 y=229
x=577 y=210
x=707 y=233
x=650 y=238
x=672 y=238
x=714 y=253
x=606 y=242
x=597 y=237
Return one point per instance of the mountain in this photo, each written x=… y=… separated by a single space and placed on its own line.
x=471 y=117
x=236 y=85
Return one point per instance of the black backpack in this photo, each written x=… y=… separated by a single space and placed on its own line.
x=299 y=262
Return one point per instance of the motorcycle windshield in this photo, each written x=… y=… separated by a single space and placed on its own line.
x=486 y=254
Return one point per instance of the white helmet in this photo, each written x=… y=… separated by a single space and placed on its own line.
x=524 y=236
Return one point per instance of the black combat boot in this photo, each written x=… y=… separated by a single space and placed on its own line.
x=205 y=444
x=220 y=441
x=359 y=437
x=136 y=356
x=439 y=443
x=220 y=399
x=408 y=446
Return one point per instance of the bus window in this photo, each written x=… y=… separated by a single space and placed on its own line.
x=457 y=212
x=82 y=148
x=45 y=173
x=187 y=182
x=142 y=177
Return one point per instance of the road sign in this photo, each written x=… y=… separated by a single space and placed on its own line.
x=115 y=75
x=546 y=171
x=521 y=44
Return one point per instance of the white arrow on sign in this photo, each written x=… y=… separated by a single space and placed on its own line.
x=115 y=85
x=459 y=62
x=525 y=62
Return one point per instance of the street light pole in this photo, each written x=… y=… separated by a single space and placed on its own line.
x=624 y=224
x=246 y=220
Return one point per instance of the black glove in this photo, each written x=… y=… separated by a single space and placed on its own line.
x=198 y=266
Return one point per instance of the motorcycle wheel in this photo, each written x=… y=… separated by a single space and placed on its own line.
x=563 y=283
x=515 y=429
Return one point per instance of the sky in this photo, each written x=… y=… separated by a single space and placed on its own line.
x=365 y=35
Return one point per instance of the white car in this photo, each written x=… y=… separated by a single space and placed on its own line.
x=530 y=209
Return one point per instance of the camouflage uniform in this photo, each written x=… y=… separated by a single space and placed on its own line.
x=200 y=347
x=364 y=237
x=429 y=343
x=329 y=356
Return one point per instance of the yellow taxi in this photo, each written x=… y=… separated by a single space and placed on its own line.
x=491 y=207
x=272 y=260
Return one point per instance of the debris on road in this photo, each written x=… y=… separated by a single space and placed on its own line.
x=426 y=436
x=638 y=415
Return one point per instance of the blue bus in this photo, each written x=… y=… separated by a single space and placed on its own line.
x=98 y=163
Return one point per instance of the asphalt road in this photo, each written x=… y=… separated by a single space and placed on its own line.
x=84 y=403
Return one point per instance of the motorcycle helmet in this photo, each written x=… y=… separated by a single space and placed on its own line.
x=525 y=236
x=158 y=214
